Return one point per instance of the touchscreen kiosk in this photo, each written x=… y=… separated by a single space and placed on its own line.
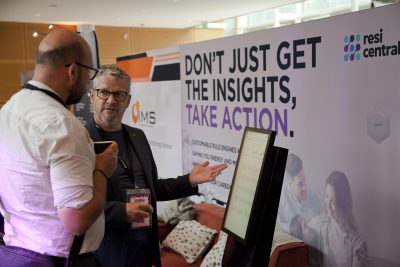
x=256 y=145
x=253 y=200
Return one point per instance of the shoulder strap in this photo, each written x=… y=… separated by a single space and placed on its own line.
x=76 y=245
x=51 y=94
x=75 y=248
x=1 y=220
x=2 y=217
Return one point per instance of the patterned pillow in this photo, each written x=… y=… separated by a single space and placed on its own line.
x=178 y=210
x=214 y=257
x=190 y=239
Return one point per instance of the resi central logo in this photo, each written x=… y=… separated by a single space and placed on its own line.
x=141 y=117
x=373 y=46
x=352 y=47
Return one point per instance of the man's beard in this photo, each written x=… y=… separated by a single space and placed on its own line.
x=76 y=94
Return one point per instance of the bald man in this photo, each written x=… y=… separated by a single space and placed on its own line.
x=53 y=186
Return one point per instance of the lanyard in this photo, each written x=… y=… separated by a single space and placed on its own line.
x=49 y=93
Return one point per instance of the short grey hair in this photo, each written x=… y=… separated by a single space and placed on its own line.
x=114 y=72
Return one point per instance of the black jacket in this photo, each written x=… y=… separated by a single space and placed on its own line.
x=113 y=249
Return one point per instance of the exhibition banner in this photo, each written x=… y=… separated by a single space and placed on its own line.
x=154 y=107
x=331 y=90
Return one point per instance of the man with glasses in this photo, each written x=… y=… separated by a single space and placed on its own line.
x=53 y=186
x=126 y=244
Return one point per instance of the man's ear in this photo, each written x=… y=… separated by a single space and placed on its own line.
x=73 y=73
x=90 y=95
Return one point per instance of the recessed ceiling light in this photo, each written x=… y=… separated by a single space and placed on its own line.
x=53 y=5
x=37 y=14
x=36 y=34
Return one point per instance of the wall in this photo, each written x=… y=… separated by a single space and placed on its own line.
x=119 y=41
x=17 y=53
x=18 y=46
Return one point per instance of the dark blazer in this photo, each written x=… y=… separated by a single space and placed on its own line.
x=113 y=249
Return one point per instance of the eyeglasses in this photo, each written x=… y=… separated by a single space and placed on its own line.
x=92 y=71
x=105 y=94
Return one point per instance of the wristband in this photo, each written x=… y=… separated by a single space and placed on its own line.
x=101 y=171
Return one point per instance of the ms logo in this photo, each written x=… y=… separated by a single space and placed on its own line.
x=135 y=112
x=352 y=47
x=142 y=117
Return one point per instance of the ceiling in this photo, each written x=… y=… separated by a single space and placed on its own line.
x=131 y=13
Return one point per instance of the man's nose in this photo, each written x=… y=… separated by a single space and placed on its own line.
x=111 y=98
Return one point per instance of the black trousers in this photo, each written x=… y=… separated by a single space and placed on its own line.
x=139 y=249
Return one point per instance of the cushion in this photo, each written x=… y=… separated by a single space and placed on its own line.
x=214 y=257
x=178 y=210
x=189 y=239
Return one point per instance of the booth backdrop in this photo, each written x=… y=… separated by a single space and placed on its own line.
x=330 y=89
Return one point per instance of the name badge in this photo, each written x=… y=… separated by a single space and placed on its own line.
x=140 y=196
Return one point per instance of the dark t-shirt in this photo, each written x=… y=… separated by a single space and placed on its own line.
x=129 y=169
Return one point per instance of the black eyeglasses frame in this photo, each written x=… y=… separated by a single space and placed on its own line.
x=92 y=71
x=118 y=99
